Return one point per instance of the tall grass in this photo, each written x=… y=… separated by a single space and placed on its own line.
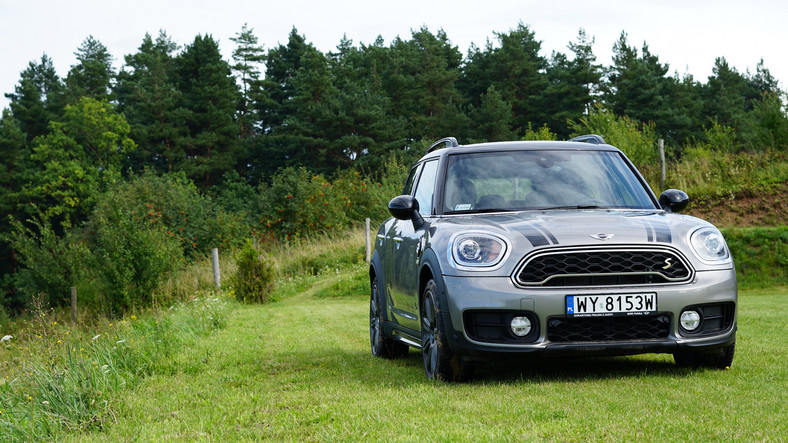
x=702 y=172
x=57 y=377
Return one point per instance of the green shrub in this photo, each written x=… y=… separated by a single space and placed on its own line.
x=173 y=201
x=254 y=277
x=133 y=255
x=299 y=204
x=53 y=263
x=636 y=140
x=542 y=133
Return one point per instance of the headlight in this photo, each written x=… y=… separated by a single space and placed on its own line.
x=709 y=245
x=477 y=250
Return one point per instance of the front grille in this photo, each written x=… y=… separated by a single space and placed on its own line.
x=606 y=329
x=603 y=267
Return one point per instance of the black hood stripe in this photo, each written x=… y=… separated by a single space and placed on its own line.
x=537 y=234
x=661 y=231
x=535 y=237
x=549 y=234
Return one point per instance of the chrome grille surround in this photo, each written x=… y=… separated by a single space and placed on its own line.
x=620 y=265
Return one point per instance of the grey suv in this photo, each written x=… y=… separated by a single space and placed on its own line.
x=557 y=248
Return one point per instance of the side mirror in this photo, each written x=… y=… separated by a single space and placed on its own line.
x=405 y=207
x=673 y=200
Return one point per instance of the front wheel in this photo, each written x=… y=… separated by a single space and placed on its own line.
x=697 y=359
x=440 y=363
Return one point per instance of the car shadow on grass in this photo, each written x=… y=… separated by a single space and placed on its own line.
x=563 y=369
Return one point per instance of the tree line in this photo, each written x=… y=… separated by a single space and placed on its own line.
x=226 y=124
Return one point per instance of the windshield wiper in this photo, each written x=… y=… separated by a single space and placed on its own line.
x=481 y=211
x=571 y=207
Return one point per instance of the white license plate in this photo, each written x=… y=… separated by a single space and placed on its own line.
x=604 y=305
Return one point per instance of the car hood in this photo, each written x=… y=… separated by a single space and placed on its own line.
x=528 y=231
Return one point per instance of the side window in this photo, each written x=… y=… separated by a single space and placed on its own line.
x=426 y=187
x=414 y=173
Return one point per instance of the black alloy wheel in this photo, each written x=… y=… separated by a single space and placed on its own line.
x=439 y=362
x=381 y=345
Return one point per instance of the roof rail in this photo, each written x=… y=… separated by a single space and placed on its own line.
x=590 y=138
x=447 y=142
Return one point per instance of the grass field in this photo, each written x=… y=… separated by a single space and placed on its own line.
x=300 y=370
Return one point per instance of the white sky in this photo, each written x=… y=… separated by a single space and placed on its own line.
x=686 y=34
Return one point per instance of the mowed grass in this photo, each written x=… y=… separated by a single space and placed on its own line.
x=300 y=370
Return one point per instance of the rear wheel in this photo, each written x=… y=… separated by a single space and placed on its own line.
x=697 y=359
x=381 y=345
x=440 y=363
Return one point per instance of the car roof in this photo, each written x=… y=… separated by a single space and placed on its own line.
x=538 y=145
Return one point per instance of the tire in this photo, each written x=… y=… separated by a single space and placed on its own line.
x=697 y=359
x=382 y=346
x=440 y=363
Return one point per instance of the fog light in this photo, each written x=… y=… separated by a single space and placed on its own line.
x=690 y=320
x=520 y=326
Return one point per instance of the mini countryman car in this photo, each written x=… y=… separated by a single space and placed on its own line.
x=551 y=248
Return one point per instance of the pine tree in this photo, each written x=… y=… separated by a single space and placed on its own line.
x=516 y=70
x=421 y=84
x=724 y=96
x=38 y=98
x=13 y=153
x=362 y=130
x=493 y=118
x=309 y=127
x=639 y=87
x=281 y=67
x=92 y=75
x=210 y=96
x=148 y=96
x=247 y=57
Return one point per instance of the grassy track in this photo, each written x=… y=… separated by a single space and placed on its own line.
x=300 y=369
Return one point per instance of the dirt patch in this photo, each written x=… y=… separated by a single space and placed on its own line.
x=747 y=208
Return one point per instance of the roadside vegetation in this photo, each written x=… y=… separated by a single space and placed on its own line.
x=300 y=368
x=119 y=184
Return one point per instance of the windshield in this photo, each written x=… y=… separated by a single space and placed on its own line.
x=510 y=181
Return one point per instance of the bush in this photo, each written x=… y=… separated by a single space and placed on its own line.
x=254 y=277
x=542 y=133
x=54 y=263
x=132 y=254
x=636 y=140
x=173 y=201
x=299 y=204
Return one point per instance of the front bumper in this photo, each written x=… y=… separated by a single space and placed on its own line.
x=499 y=294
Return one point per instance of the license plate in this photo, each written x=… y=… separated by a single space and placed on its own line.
x=608 y=305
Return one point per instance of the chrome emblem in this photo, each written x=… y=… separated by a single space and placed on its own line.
x=602 y=236
x=668 y=263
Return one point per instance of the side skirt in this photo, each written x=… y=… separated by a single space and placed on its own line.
x=405 y=335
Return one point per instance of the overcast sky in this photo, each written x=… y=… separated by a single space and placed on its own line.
x=688 y=35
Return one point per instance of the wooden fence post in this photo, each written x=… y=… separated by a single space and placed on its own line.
x=74 y=305
x=369 y=243
x=662 y=174
x=215 y=260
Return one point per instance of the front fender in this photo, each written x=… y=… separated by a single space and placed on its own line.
x=431 y=268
